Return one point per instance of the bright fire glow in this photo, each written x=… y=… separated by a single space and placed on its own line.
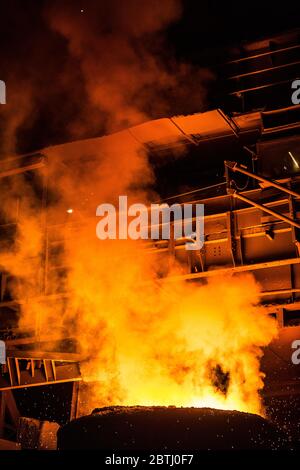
x=144 y=340
x=153 y=342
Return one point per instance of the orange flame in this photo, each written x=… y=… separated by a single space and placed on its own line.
x=154 y=342
x=144 y=340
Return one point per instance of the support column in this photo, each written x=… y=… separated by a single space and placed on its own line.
x=2 y=413
x=74 y=401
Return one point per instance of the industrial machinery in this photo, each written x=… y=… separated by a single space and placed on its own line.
x=243 y=166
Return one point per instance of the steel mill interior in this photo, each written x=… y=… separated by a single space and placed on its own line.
x=109 y=332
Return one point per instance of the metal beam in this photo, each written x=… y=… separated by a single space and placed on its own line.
x=278 y=215
x=11 y=406
x=261 y=87
x=265 y=70
x=46 y=372
x=74 y=401
x=279 y=292
x=41 y=355
x=263 y=54
x=23 y=169
x=235 y=269
x=234 y=166
x=2 y=414
x=36 y=339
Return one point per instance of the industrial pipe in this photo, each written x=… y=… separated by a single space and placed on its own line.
x=266 y=209
x=235 y=167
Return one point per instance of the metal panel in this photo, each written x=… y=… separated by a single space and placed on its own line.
x=20 y=372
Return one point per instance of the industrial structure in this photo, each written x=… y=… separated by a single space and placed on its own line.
x=249 y=152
